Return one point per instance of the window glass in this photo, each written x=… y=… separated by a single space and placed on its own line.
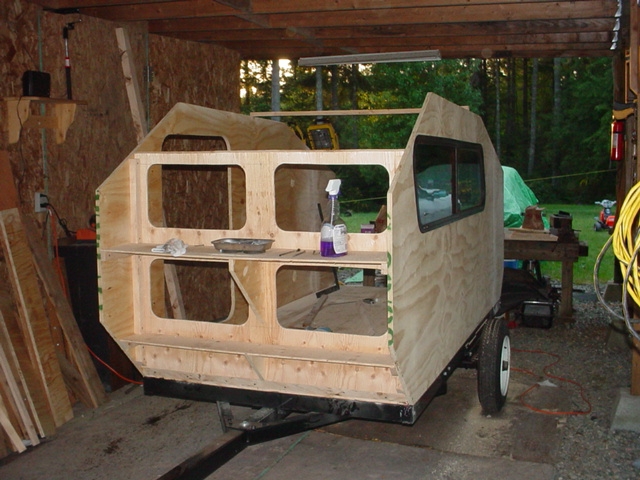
x=449 y=180
x=469 y=179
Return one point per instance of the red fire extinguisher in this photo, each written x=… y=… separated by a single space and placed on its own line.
x=617 y=140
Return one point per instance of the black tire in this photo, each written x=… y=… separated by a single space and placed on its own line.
x=494 y=364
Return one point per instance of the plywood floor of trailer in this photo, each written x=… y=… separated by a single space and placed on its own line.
x=355 y=310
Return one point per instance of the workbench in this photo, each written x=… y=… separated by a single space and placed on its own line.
x=518 y=247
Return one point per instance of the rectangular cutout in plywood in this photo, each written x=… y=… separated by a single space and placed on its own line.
x=210 y=280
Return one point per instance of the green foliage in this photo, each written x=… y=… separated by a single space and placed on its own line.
x=405 y=85
x=580 y=140
x=571 y=162
x=583 y=220
x=364 y=188
x=354 y=221
x=572 y=149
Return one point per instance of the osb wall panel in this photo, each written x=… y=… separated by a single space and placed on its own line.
x=192 y=73
x=207 y=76
x=102 y=133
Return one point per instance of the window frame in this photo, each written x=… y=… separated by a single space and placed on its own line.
x=457 y=213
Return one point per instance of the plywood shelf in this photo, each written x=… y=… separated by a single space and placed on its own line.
x=59 y=117
x=366 y=260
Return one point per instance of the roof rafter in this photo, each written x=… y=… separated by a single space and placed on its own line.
x=291 y=28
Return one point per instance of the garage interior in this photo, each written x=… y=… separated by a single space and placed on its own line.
x=131 y=63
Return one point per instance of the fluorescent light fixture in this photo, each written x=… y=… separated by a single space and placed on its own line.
x=386 y=57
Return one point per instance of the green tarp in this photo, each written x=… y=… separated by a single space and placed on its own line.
x=517 y=197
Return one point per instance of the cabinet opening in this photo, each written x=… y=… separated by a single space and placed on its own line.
x=353 y=307
x=193 y=143
x=195 y=281
x=209 y=197
x=301 y=196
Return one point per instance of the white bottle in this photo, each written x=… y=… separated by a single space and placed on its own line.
x=333 y=235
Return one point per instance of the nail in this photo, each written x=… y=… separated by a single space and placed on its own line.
x=290 y=251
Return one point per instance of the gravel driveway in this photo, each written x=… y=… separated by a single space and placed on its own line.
x=601 y=364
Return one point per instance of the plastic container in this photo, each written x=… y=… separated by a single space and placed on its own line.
x=333 y=234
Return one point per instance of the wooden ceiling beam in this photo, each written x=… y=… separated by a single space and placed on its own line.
x=71 y=4
x=496 y=51
x=428 y=43
x=470 y=28
x=242 y=5
x=459 y=27
x=406 y=16
x=297 y=6
x=370 y=40
x=167 y=9
x=289 y=6
x=443 y=32
x=376 y=48
x=160 y=10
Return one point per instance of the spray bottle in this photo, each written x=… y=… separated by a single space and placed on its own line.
x=333 y=235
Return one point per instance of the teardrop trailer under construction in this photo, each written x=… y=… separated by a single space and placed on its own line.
x=387 y=350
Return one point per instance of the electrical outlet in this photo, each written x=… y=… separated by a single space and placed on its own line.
x=40 y=202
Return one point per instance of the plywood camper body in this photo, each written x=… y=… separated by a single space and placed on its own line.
x=387 y=346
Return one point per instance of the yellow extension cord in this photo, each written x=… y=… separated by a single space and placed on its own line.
x=626 y=247
x=626 y=241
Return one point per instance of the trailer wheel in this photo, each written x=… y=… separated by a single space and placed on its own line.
x=494 y=364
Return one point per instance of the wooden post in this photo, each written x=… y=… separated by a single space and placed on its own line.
x=130 y=78
x=566 y=299
x=140 y=124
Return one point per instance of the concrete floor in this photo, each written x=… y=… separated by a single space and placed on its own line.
x=140 y=437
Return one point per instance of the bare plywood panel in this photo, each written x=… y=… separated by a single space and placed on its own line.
x=384 y=346
x=438 y=305
x=89 y=383
x=33 y=319
x=12 y=343
x=89 y=380
x=9 y=429
x=14 y=392
x=238 y=131
x=8 y=194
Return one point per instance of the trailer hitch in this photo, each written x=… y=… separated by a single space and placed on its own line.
x=260 y=426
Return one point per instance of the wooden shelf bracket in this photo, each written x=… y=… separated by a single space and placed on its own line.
x=59 y=117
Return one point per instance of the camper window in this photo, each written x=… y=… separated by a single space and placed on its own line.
x=449 y=180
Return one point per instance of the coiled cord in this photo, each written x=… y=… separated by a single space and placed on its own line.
x=626 y=247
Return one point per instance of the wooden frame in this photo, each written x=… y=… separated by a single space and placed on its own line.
x=440 y=284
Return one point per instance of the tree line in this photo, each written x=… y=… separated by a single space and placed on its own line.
x=548 y=118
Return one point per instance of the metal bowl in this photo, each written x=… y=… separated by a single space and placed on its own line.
x=242 y=245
